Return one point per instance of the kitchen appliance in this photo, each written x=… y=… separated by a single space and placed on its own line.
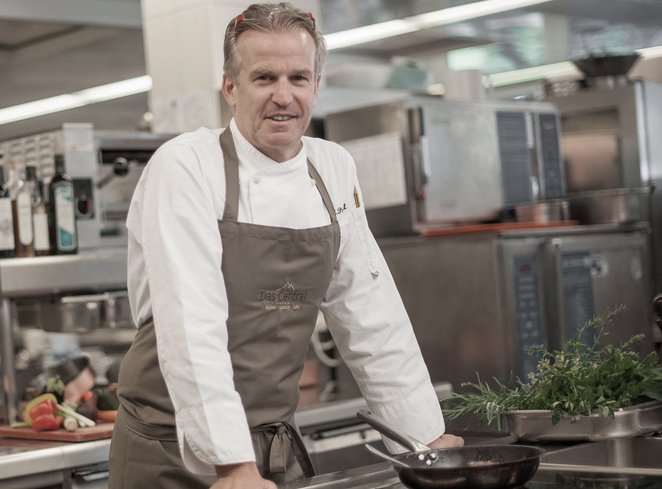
x=479 y=302
x=610 y=127
x=105 y=167
x=424 y=161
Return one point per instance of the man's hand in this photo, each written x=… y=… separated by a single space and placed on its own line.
x=447 y=441
x=241 y=476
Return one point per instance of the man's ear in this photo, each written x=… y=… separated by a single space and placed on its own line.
x=229 y=87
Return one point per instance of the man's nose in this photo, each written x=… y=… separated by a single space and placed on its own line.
x=282 y=95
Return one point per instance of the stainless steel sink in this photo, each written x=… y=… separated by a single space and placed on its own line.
x=626 y=455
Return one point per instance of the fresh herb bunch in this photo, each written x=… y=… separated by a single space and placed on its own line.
x=575 y=381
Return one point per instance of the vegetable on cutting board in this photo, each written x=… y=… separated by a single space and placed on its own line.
x=41 y=413
x=44 y=413
x=575 y=381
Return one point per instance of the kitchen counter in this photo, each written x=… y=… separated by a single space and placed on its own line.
x=34 y=464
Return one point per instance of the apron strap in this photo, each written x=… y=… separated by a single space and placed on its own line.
x=231 y=164
x=312 y=171
x=285 y=437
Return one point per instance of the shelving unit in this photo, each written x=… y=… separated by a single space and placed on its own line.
x=89 y=271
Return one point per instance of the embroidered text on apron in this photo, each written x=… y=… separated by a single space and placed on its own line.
x=275 y=279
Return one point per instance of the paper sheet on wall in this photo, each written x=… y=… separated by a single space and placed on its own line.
x=380 y=168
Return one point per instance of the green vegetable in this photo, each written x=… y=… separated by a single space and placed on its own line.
x=66 y=410
x=106 y=399
x=70 y=423
x=55 y=386
x=575 y=381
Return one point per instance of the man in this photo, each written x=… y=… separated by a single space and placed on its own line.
x=234 y=245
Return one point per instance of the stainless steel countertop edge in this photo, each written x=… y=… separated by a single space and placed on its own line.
x=53 y=459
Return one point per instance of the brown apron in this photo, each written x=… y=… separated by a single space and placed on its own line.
x=275 y=279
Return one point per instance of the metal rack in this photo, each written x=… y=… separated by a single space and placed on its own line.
x=89 y=271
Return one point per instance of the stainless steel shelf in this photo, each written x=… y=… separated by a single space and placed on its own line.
x=102 y=269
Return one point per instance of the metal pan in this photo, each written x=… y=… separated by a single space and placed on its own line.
x=477 y=467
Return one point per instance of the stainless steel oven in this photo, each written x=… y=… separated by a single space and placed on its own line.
x=425 y=161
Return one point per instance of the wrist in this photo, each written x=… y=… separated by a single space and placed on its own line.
x=229 y=469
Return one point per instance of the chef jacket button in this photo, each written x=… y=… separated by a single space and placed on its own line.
x=256 y=180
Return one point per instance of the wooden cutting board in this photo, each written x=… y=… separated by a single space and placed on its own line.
x=98 y=432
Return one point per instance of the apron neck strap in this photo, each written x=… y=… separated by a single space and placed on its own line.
x=312 y=171
x=231 y=165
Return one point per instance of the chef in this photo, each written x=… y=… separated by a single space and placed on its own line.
x=237 y=238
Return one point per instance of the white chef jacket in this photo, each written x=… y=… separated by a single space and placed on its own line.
x=174 y=275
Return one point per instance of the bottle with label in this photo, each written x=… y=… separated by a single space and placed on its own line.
x=62 y=217
x=39 y=213
x=7 y=244
x=21 y=196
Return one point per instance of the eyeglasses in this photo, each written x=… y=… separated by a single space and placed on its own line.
x=240 y=18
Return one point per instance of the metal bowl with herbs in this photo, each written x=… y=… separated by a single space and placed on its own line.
x=583 y=391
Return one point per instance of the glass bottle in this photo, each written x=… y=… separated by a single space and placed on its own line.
x=7 y=244
x=39 y=213
x=22 y=211
x=62 y=217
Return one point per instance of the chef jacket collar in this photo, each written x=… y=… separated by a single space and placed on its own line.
x=254 y=160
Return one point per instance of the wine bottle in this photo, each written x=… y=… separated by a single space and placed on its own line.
x=39 y=213
x=62 y=216
x=22 y=212
x=7 y=245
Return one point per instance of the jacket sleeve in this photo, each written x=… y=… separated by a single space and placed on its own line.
x=372 y=331
x=182 y=249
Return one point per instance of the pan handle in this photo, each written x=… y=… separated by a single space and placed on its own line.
x=403 y=439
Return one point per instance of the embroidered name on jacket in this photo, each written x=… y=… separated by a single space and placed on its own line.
x=285 y=298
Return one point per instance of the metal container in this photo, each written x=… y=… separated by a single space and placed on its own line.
x=542 y=211
x=84 y=313
x=611 y=206
x=536 y=425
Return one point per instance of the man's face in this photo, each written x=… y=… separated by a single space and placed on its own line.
x=275 y=90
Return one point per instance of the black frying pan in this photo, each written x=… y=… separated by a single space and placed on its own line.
x=477 y=467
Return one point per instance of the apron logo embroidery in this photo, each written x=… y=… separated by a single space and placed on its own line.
x=285 y=298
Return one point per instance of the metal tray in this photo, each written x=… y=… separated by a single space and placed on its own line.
x=534 y=425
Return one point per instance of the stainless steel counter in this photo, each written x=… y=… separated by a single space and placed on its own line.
x=34 y=464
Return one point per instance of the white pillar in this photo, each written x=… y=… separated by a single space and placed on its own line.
x=184 y=56
x=556 y=38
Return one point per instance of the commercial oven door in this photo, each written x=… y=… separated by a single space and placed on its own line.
x=592 y=274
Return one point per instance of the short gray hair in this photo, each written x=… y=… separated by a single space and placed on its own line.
x=270 y=17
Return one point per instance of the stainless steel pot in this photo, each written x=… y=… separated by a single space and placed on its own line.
x=542 y=211
x=477 y=467
x=611 y=206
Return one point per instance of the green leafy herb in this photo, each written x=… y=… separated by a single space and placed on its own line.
x=575 y=381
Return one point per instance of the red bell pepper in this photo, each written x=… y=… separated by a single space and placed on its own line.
x=46 y=422
x=43 y=417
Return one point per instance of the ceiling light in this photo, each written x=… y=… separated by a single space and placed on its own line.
x=74 y=100
x=391 y=28
x=554 y=70
x=652 y=52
